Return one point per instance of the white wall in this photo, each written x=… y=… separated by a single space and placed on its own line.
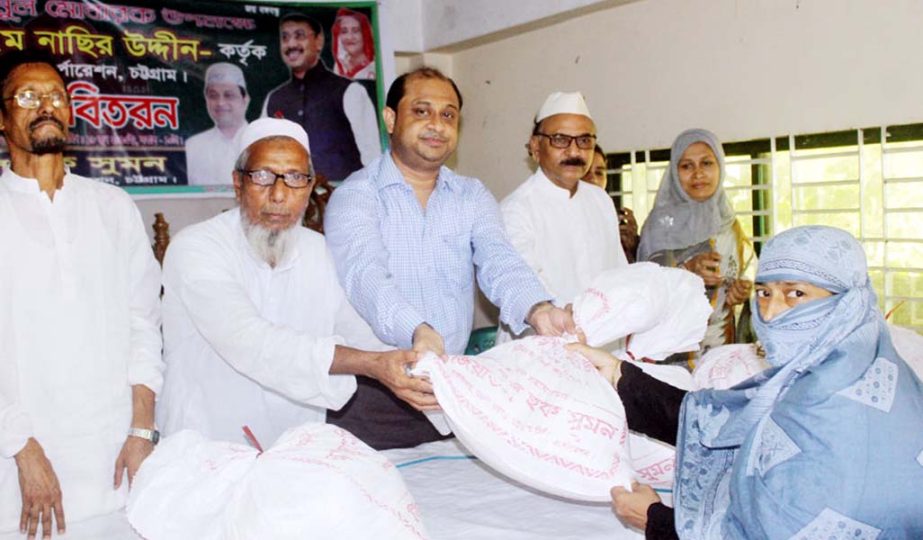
x=447 y=23
x=649 y=69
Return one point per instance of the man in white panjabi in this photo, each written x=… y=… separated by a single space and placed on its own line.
x=210 y=155
x=255 y=321
x=79 y=326
x=565 y=229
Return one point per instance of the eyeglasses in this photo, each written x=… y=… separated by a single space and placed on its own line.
x=267 y=178
x=559 y=140
x=30 y=99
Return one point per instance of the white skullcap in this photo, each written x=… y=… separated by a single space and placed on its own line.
x=223 y=72
x=563 y=103
x=272 y=127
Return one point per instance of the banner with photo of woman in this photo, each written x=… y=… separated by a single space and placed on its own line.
x=159 y=95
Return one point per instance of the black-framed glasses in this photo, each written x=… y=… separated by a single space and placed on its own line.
x=562 y=141
x=30 y=99
x=267 y=178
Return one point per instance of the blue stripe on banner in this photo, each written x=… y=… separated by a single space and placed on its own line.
x=433 y=458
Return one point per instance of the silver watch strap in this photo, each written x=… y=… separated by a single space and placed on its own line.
x=147 y=434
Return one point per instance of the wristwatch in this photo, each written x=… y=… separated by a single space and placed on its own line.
x=147 y=434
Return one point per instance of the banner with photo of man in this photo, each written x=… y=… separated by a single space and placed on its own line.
x=159 y=95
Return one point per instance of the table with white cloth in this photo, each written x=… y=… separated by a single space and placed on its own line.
x=461 y=498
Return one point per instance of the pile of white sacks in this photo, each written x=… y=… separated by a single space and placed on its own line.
x=317 y=481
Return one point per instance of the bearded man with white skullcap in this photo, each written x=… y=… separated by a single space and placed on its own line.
x=565 y=229
x=210 y=155
x=257 y=330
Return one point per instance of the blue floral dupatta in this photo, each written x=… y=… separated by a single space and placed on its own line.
x=827 y=443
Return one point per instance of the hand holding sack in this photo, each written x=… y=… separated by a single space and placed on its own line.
x=542 y=415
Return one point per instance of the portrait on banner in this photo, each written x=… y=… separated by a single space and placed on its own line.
x=160 y=94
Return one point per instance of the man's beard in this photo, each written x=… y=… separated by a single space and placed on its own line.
x=270 y=246
x=50 y=145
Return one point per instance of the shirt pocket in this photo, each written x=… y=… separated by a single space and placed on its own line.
x=454 y=260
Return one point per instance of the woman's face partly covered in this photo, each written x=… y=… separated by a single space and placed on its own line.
x=777 y=297
x=699 y=172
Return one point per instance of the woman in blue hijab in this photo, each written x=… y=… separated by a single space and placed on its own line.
x=825 y=444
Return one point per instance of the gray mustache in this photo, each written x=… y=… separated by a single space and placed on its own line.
x=51 y=119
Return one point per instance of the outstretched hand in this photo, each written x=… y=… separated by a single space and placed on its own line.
x=631 y=506
x=392 y=370
x=548 y=320
x=609 y=366
x=426 y=338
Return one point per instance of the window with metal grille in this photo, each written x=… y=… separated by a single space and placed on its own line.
x=867 y=181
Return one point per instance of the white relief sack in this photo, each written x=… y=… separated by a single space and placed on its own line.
x=653 y=461
x=909 y=345
x=661 y=309
x=537 y=413
x=725 y=366
x=543 y=415
x=317 y=481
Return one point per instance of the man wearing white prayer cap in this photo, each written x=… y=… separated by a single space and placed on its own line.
x=257 y=331
x=210 y=155
x=565 y=229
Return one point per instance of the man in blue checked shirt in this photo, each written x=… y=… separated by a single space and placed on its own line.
x=408 y=236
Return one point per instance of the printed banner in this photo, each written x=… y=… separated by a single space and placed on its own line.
x=158 y=95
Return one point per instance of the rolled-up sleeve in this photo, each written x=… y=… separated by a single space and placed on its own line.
x=292 y=363
x=353 y=233
x=503 y=275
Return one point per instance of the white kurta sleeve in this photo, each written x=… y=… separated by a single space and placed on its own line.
x=361 y=115
x=145 y=364
x=15 y=427
x=292 y=363
x=520 y=230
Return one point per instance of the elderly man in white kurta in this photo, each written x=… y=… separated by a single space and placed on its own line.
x=255 y=322
x=565 y=229
x=79 y=324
